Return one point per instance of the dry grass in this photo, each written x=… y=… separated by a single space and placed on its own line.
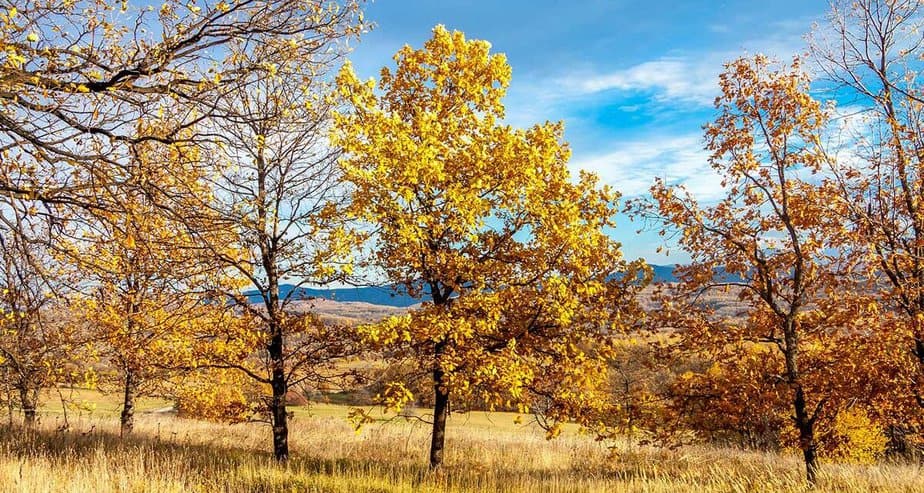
x=346 y=312
x=485 y=453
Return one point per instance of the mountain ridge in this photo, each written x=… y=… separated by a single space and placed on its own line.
x=392 y=295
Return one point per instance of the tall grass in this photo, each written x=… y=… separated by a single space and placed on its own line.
x=485 y=453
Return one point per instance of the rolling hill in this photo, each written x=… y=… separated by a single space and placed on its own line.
x=392 y=295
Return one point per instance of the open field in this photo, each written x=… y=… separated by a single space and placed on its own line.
x=486 y=452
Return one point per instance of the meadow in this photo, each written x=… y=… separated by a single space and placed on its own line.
x=486 y=452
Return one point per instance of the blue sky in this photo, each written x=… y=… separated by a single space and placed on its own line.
x=633 y=81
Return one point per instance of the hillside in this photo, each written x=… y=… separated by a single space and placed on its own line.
x=391 y=296
x=372 y=303
x=346 y=312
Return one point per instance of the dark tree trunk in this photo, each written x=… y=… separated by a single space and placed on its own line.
x=278 y=402
x=9 y=407
x=919 y=355
x=128 y=404
x=8 y=387
x=805 y=422
x=806 y=426
x=440 y=412
x=127 y=422
x=28 y=399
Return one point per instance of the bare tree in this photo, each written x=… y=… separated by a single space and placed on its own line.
x=39 y=341
x=278 y=188
x=871 y=51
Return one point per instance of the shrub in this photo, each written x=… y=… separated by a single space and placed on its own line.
x=216 y=395
x=855 y=438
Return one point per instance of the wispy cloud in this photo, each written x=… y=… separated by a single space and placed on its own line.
x=677 y=78
x=632 y=166
x=673 y=94
x=669 y=79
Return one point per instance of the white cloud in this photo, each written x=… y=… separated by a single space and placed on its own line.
x=632 y=166
x=671 y=78
x=667 y=94
x=680 y=77
x=850 y=121
x=849 y=137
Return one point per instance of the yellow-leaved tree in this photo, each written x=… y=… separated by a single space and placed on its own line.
x=149 y=285
x=40 y=342
x=521 y=287
x=76 y=74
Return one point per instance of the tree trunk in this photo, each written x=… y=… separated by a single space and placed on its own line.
x=9 y=407
x=916 y=314
x=28 y=399
x=806 y=426
x=128 y=404
x=278 y=403
x=440 y=412
x=9 y=395
x=918 y=352
x=804 y=422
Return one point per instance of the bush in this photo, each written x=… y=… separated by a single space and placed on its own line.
x=217 y=395
x=855 y=438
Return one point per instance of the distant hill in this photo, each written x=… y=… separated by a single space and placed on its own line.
x=388 y=296
x=663 y=273
x=374 y=295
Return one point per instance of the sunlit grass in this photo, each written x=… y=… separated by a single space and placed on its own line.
x=486 y=452
x=83 y=402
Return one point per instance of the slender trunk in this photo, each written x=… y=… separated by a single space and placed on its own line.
x=269 y=248
x=128 y=404
x=278 y=403
x=131 y=379
x=805 y=422
x=440 y=412
x=918 y=352
x=28 y=398
x=9 y=407
x=806 y=426
x=9 y=395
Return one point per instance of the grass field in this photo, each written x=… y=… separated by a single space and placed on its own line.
x=486 y=452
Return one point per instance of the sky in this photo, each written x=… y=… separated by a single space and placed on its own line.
x=633 y=81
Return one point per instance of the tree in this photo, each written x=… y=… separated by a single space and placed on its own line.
x=278 y=188
x=732 y=391
x=75 y=75
x=767 y=236
x=220 y=395
x=40 y=339
x=870 y=51
x=522 y=288
x=147 y=283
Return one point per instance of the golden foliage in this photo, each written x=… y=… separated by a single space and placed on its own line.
x=856 y=438
x=485 y=223
x=224 y=396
